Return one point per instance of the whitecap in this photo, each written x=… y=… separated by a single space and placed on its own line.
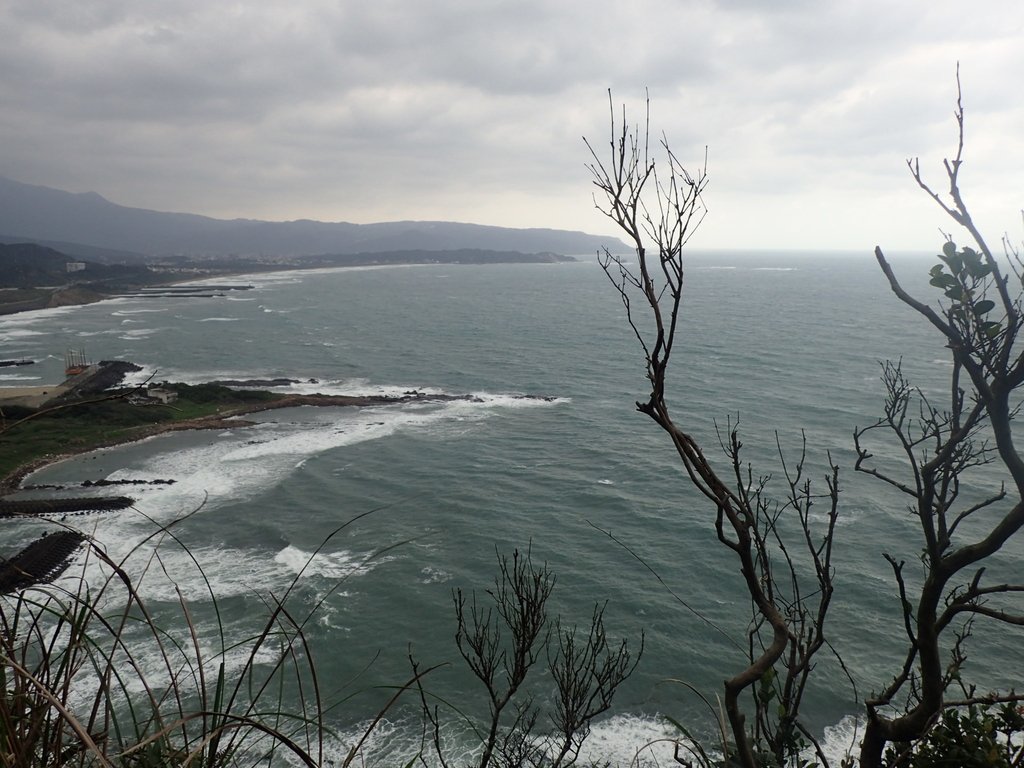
x=638 y=741
x=644 y=741
x=520 y=401
x=433 y=575
x=840 y=740
x=18 y=333
x=334 y=566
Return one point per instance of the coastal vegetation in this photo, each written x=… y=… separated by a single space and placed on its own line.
x=29 y=436
x=74 y=690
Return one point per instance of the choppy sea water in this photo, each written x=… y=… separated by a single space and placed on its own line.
x=788 y=344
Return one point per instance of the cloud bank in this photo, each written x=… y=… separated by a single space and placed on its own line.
x=473 y=110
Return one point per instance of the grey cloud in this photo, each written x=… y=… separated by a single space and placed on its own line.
x=360 y=110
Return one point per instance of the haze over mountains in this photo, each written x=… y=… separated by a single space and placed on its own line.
x=89 y=226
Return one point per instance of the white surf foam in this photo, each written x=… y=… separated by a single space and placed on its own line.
x=432 y=575
x=8 y=334
x=34 y=316
x=637 y=741
x=840 y=740
x=202 y=479
x=138 y=333
x=152 y=664
x=633 y=740
x=367 y=424
x=135 y=378
x=623 y=740
x=231 y=466
x=252 y=459
x=334 y=566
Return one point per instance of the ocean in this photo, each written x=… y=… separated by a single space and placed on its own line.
x=787 y=344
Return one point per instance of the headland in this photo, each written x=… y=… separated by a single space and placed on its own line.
x=91 y=410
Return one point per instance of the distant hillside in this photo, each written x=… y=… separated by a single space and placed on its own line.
x=88 y=221
x=80 y=252
x=27 y=265
x=24 y=265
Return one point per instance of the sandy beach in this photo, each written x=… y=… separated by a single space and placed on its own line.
x=31 y=397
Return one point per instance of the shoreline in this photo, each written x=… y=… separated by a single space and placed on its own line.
x=225 y=419
x=74 y=295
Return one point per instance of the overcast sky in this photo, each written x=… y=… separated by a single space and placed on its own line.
x=473 y=110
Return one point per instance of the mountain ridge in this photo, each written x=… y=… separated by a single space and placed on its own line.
x=42 y=214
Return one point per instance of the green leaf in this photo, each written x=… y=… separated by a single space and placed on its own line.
x=970 y=258
x=936 y=270
x=955 y=292
x=991 y=329
x=949 y=248
x=983 y=306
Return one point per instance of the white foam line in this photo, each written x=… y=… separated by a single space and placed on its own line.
x=35 y=316
x=357 y=387
x=235 y=465
x=241 y=464
x=289 y=276
x=637 y=741
x=19 y=333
